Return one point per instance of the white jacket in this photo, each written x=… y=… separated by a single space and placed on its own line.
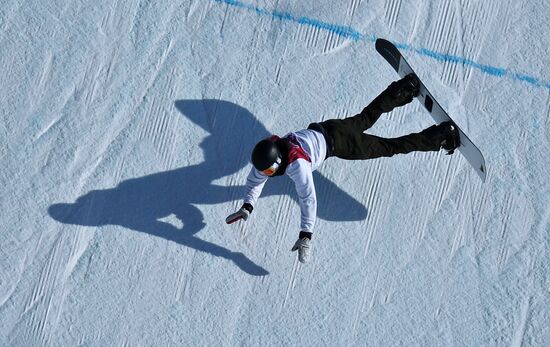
x=301 y=172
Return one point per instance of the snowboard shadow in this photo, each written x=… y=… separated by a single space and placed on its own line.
x=141 y=203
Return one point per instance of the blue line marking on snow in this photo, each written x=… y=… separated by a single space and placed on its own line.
x=495 y=71
x=526 y=78
x=350 y=33
x=340 y=30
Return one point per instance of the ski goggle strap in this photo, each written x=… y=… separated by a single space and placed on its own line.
x=273 y=168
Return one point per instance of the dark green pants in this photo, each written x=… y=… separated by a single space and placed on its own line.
x=350 y=142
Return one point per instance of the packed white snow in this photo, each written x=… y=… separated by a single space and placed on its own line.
x=125 y=137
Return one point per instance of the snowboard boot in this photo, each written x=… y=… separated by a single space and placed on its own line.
x=407 y=88
x=398 y=93
x=303 y=246
x=452 y=141
x=446 y=135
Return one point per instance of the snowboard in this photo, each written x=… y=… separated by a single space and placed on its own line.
x=467 y=148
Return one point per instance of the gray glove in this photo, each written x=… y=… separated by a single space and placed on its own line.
x=242 y=213
x=303 y=246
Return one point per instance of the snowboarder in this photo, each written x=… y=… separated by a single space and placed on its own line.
x=300 y=153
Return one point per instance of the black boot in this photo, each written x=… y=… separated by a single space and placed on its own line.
x=404 y=90
x=398 y=93
x=452 y=141
x=446 y=135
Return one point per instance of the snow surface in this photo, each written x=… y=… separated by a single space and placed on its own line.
x=126 y=129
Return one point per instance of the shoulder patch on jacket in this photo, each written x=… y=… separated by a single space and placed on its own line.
x=296 y=151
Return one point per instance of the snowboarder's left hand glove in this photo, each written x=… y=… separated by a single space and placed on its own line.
x=303 y=246
x=242 y=213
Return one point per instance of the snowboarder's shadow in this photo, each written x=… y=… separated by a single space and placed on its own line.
x=141 y=203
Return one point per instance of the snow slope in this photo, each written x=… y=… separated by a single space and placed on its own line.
x=125 y=135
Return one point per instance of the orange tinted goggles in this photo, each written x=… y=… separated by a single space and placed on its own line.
x=272 y=169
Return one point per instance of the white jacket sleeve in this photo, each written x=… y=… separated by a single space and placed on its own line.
x=254 y=185
x=301 y=173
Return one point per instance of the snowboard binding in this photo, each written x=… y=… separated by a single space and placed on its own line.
x=404 y=90
x=444 y=135
x=452 y=139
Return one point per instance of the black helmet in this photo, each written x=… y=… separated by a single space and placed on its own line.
x=266 y=155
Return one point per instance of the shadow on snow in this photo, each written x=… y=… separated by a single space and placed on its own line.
x=139 y=203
